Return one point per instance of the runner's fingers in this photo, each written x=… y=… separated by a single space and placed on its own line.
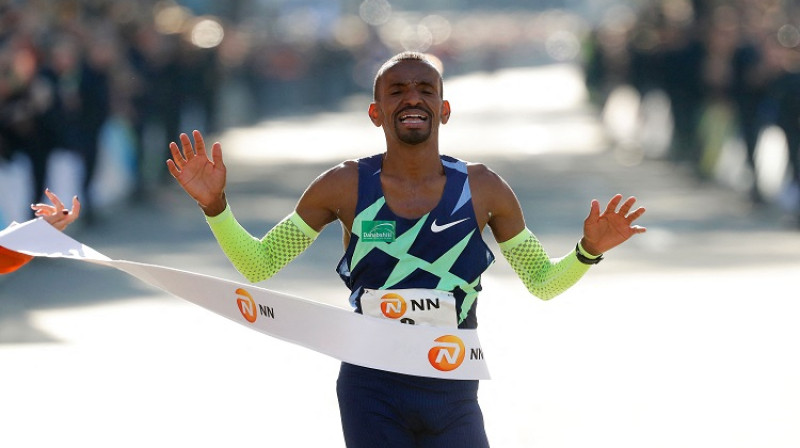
x=173 y=168
x=613 y=203
x=216 y=154
x=636 y=214
x=199 y=143
x=177 y=158
x=186 y=144
x=626 y=206
x=594 y=210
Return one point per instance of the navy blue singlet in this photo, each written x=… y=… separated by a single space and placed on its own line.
x=441 y=250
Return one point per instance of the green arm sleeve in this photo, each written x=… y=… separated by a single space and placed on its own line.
x=544 y=277
x=259 y=259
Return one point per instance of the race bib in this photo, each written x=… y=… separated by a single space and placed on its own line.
x=411 y=306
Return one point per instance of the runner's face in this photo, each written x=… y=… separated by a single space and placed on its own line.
x=409 y=102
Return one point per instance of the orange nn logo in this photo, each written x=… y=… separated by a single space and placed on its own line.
x=246 y=305
x=448 y=354
x=393 y=306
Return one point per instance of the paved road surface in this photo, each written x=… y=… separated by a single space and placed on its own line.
x=685 y=337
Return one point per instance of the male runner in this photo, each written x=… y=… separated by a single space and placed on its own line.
x=56 y=215
x=412 y=221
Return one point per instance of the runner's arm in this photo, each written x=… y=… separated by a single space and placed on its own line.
x=329 y=197
x=498 y=205
x=544 y=277
x=259 y=259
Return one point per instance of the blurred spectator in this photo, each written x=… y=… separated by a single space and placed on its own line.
x=748 y=91
x=683 y=56
x=156 y=95
x=784 y=97
x=80 y=73
x=755 y=69
x=26 y=105
x=68 y=69
x=717 y=122
x=730 y=69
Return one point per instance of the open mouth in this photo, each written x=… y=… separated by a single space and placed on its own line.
x=411 y=118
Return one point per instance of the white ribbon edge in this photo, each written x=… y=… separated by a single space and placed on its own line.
x=336 y=332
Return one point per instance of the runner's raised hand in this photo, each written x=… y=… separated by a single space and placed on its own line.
x=604 y=231
x=201 y=178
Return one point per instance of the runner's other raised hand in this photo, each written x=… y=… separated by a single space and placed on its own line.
x=202 y=178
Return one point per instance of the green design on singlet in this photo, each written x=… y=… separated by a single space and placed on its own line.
x=399 y=249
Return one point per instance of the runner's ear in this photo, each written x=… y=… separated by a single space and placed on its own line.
x=445 y=111
x=375 y=115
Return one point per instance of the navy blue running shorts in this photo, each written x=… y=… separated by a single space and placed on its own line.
x=391 y=410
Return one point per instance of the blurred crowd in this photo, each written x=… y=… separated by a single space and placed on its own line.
x=151 y=69
x=75 y=74
x=67 y=67
x=730 y=69
x=78 y=75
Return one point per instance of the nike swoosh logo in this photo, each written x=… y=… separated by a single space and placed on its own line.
x=435 y=228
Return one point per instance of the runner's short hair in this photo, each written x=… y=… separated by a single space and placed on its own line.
x=429 y=59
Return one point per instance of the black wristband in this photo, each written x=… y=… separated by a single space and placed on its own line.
x=584 y=259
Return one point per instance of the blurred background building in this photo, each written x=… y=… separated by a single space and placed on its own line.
x=92 y=91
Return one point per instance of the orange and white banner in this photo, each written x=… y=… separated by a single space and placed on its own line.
x=429 y=351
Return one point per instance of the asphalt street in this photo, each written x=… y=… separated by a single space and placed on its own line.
x=684 y=337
